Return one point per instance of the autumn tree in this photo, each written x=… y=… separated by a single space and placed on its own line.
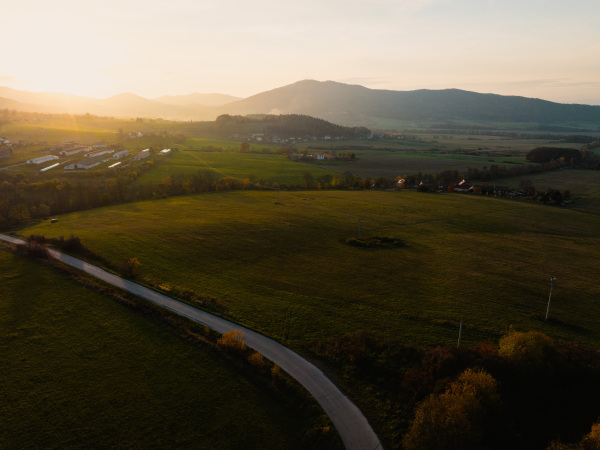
x=532 y=347
x=130 y=267
x=232 y=341
x=458 y=418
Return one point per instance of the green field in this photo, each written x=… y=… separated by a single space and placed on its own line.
x=270 y=168
x=80 y=370
x=281 y=269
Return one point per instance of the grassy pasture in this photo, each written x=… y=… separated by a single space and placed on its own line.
x=281 y=269
x=80 y=370
x=272 y=168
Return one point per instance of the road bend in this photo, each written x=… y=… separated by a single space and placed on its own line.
x=351 y=424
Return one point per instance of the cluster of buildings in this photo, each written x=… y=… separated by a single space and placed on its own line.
x=97 y=157
x=91 y=155
x=463 y=187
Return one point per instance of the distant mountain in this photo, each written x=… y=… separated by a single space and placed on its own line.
x=344 y=104
x=356 y=105
x=121 y=105
x=197 y=99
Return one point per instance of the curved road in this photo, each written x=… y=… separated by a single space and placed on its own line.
x=352 y=426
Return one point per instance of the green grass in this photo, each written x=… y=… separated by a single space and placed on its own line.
x=270 y=168
x=281 y=269
x=80 y=370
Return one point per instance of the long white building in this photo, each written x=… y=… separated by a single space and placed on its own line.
x=42 y=159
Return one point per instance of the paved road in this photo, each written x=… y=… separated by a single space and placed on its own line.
x=352 y=426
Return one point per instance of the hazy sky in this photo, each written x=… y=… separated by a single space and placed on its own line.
x=547 y=49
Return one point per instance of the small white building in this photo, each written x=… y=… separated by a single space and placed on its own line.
x=121 y=154
x=42 y=159
x=165 y=151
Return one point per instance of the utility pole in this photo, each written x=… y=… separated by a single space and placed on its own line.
x=550 y=297
x=459 y=333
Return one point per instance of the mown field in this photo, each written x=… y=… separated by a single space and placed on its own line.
x=281 y=268
x=256 y=167
x=80 y=370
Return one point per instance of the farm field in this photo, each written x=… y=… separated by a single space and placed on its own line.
x=269 y=167
x=80 y=370
x=281 y=268
x=430 y=154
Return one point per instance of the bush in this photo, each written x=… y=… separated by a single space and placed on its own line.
x=33 y=248
x=130 y=267
x=232 y=341
x=531 y=347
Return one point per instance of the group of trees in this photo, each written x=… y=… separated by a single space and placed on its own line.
x=286 y=125
x=23 y=198
x=513 y=394
x=548 y=154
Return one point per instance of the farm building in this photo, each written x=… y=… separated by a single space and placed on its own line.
x=85 y=163
x=143 y=154
x=42 y=159
x=75 y=150
x=165 y=151
x=121 y=154
x=96 y=153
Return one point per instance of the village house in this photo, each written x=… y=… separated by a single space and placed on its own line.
x=324 y=156
x=494 y=190
x=463 y=186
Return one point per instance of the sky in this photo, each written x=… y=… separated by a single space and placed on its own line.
x=547 y=49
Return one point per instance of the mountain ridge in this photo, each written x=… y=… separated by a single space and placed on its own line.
x=344 y=104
